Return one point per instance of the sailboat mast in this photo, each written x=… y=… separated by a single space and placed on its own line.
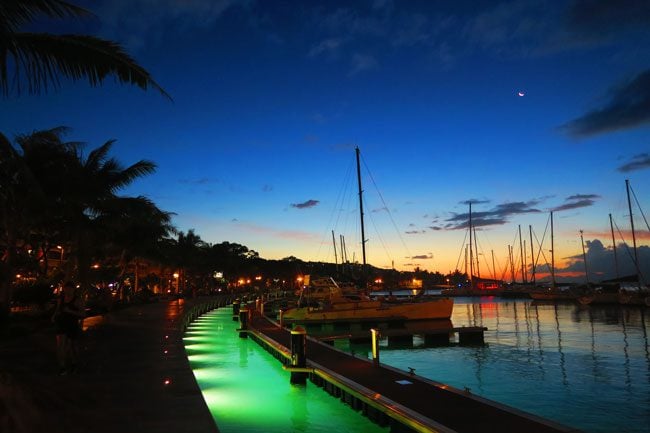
x=532 y=255
x=552 y=253
x=494 y=269
x=478 y=266
x=584 y=256
x=512 y=264
x=363 y=234
x=521 y=252
x=336 y=259
x=611 y=226
x=629 y=205
x=471 y=256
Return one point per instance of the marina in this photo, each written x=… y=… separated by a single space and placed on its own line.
x=532 y=351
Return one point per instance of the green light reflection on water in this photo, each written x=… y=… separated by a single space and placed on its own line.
x=247 y=390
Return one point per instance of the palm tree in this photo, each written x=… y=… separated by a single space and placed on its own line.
x=135 y=227
x=189 y=249
x=72 y=194
x=42 y=57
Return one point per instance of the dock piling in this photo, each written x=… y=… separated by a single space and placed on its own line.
x=236 y=304
x=375 y=345
x=298 y=355
x=243 y=322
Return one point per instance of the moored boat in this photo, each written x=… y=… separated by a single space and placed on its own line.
x=634 y=294
x=555 y=293
x=342 y=307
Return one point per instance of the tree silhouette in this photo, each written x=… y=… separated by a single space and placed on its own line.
x=41 y=58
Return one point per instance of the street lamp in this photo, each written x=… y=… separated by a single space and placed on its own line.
x=176 y=278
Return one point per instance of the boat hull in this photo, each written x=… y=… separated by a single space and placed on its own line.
x=553 y=296
x=372 y=311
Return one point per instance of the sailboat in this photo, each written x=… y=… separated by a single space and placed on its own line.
x=523 y=289
x=635 y=292
x=477 y=286
x=624 y=290
x=339 y=306
x=555 y=292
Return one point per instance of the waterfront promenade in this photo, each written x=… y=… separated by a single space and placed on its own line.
x=125 y=383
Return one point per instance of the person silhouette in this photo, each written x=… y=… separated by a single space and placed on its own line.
x=67 y=321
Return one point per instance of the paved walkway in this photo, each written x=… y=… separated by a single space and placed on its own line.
x=126 y=359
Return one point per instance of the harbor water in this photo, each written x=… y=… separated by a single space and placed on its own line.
x=247 y=390
x=586 y=367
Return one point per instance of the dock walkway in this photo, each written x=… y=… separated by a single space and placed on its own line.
x=411 y=400
x=134 y=377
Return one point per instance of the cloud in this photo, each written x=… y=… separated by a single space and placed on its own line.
x=498 y=215
x=380 y=209
x=629 y=106
x=267 y=188
x=305 y=205
x=435 y=228
x=414 y=232
x=329 y=48
x=583 y=197
x=361 y=63
x=638 y=162
x=282 y=234
x=136 y=23
x=423 y=256
x=199 y=181
x=601 y=262
x=474 y=201
x=597 y=20
x=577 y=201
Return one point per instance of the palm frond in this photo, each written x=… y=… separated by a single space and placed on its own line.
x=14 y=13
x=128 y=175
x=43 y=57
x=98 y=156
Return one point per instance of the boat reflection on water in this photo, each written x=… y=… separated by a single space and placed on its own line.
x=586 y=367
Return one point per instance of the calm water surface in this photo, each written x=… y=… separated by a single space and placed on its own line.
x=247 y=390
x=584 y=366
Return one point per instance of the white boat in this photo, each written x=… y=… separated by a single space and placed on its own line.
x=331 y=304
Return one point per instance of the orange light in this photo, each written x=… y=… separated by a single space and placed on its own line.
x=167 y=381
x=258 y=278
x=95 y=266
x=18 y=275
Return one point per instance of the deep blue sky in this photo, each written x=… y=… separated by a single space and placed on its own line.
x=271 y=97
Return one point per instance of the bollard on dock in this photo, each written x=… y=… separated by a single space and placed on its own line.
x=298 y=355
x=243 y=322
x=375 y=345
x=236 y=304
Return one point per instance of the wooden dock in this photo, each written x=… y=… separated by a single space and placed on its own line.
x=431 y=333
x=404 y=401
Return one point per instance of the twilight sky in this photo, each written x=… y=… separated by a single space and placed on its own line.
x=519 y=106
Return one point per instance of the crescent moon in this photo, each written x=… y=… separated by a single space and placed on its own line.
x=520 y=93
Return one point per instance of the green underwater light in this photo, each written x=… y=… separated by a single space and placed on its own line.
x=247 y=390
